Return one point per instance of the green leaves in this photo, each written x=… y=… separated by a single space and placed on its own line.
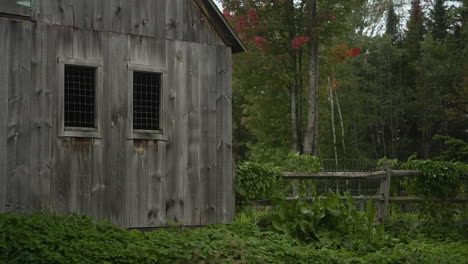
x=327 y=221
x=255 y=181
x=302 y=163
x=76 y=239
x=439 y=180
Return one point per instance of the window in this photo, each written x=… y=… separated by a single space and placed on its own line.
x=146 y=91
x=146 y=100
x=80 y=96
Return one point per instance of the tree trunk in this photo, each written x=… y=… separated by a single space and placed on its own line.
x=332 y=119
x=300 y=103
x=293 y=94
x=311 y=133
x=294 y=90
x=341 y=117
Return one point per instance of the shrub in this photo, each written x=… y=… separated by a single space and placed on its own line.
x=255 y=181
x=296 y=162
x=327 y=222
x=438 y=180
x=77 y=239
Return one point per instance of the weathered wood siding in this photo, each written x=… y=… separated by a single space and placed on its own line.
x=135 y=183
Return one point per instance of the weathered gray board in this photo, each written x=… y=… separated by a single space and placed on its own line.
x=187 y=177
x=15 y=7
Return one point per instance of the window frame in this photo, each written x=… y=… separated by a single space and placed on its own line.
x=80 y=132
x=145 y=134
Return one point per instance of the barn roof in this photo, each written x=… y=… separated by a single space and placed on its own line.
x=221 y=25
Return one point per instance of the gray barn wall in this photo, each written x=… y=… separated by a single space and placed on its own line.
x=134 y=183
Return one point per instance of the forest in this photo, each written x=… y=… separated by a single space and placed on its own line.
x=350 y=79
x=379 y=86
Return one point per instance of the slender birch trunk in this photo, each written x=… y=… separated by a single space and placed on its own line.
x=341 y=121
x=340 y=115
x=332 y=119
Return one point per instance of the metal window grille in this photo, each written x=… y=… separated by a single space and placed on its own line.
x=146 y=100
x=80 y=93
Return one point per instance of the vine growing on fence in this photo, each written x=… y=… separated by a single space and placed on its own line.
x=438 y=180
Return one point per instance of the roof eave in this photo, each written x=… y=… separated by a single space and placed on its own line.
x=223 y=27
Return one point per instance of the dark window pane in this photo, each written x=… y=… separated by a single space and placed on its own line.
x=79 y=96
x=146 y=100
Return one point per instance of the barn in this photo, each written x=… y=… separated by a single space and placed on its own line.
x=117 y=109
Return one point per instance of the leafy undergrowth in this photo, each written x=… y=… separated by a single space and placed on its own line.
x=78 y=239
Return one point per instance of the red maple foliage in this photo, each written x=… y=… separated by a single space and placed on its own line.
x=300 y=41
x=252 y=14
x=342 y=53
x=246 y=24
x=355 y=52
x=260 y=41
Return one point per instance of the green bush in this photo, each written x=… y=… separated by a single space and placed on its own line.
x=255 y=181
x=76 y=239
x=438 y=180
x=327 y=222
x=296 y=162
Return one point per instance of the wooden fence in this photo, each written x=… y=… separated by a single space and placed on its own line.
x=383 y=178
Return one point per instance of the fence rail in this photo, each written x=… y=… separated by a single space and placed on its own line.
x=382 y=180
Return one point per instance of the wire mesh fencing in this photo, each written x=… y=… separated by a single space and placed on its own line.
x=349 y=165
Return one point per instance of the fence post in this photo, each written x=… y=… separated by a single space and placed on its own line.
x=295 y=188
x=385 y=192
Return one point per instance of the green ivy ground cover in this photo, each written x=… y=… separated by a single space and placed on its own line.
x=77 y=239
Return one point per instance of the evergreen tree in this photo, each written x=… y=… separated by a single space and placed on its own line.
x=415 y=33
x=439 y=24
x=392 y=22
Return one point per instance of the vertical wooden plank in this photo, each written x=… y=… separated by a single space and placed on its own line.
x=156 y=177
x=228 y=156
x=121 y=16
x=4 y=84
x=174 y=182
x=83 y=13
x=208 y=177
x=137 y=183
x=140 y=48
x=18 y=116
x=94 y=187
x=223 y=136
x=174 y=19
x=50 y=110
x=64 y=13
x=102 y=15
x=188 y=33
x=193 y=133
x=117 y=146
x=219 y=95
x=158 y=18
x=140 y=20
x=63 y=42
x=40 y=154
x=44 y=11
